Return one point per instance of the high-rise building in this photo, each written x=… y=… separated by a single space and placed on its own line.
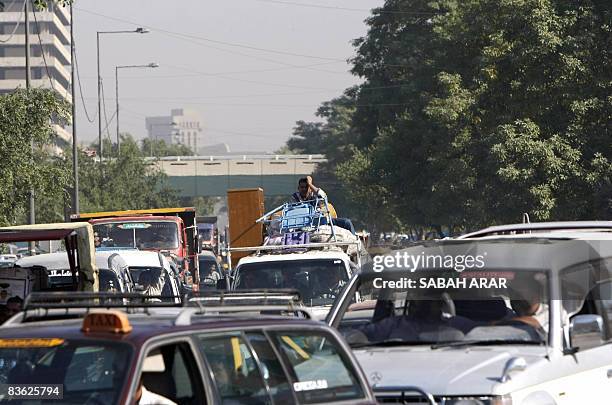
x=49 y=57
x=182 y=126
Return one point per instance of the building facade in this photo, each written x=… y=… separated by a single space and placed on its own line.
x=50 y=71
x=182 y=126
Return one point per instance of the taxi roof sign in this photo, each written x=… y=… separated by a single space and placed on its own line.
x=110 y=321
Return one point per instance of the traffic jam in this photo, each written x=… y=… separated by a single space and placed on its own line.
x=294 y=306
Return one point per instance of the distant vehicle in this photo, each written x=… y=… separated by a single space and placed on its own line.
x=76 y=238
x=210 y=270
x=152 y=273
x=527 y=319
x=207 y=232
x=170 y=231
x=9 y=258
x=179 y=355
x=113 y=274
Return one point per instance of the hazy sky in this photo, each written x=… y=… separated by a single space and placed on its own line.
x=251 y=68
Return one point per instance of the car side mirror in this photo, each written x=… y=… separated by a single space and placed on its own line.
x=586 y=331
x=222 y=284
x=513 y=365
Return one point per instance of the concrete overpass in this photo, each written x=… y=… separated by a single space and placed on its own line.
x=212 y=176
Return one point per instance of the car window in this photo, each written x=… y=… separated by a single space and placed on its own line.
x=235 y=370
x=90 y=372
x=320 y=371
x=272 y=369
x=171 y=372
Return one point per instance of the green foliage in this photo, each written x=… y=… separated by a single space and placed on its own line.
x=204 y=206
x=125 y=180
x=26 y=119
x=159 y=148
x=473 y=112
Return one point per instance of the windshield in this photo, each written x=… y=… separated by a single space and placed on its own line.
x=156 y=235
x=433 y=307
x=108 y=281
x=318 y=281
x=205 y=233
x=90 y=372
x=209 y=270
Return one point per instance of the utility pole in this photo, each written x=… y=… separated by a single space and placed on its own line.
x=99 y=99
x=32 y=211
x=75 y=154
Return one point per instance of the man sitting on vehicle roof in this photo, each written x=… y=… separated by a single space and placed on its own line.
x=307 y=191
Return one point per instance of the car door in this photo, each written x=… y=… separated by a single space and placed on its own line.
x=588 y=371
x=235 y=369
x=282 y=367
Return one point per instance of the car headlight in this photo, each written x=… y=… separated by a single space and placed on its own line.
x=477 y=400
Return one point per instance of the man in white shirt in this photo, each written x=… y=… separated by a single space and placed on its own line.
x=145 y=397
x=307 y=191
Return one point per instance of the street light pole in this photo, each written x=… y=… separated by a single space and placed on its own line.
x=75 y=157
x=138 y=30
x=150 y=65
x=32 y=205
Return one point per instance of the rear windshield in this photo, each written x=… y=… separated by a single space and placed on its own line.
x=90 y=372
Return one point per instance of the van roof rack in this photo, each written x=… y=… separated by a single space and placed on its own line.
x=250 y=297
x=297 y=311
x=85 y=299
x=315 y=245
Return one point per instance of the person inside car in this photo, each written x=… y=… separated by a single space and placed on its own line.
x=529 y=309
x=145 y=397
x=423 y=322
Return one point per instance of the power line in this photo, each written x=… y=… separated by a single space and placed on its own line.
x=246 y=80
x=106 y=120
x=158 y=101
x=241 y=72
x=321 y=6
x=232 y=44
x=76 y=66
x=42 y=50
x=12 y=34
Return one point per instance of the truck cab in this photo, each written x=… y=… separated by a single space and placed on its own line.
x=170 y=231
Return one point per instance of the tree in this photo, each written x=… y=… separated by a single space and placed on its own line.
x=159 y=148
x=465 y=102
x=26 y=119
x=124 y=180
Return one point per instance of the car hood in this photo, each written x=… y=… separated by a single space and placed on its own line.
x=444 y=371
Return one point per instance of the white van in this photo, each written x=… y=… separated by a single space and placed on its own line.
x=318 y=275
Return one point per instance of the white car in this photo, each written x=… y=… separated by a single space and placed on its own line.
x=460 y=335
